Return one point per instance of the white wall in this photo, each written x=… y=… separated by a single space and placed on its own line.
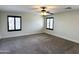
x=31 y=24
x=66 y=25
x=0 y=25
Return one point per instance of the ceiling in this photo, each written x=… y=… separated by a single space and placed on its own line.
x=36 y=8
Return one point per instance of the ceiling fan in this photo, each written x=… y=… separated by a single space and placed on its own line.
x=44 y=10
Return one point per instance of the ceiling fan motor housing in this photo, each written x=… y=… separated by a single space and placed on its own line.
x=43 y=9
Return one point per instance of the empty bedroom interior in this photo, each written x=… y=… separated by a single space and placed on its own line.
x=32 y=36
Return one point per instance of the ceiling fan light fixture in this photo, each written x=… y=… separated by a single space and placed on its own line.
x=43 y=13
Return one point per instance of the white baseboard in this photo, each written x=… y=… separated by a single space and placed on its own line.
x=0 y=36
x=65 y=38
x=20 y=35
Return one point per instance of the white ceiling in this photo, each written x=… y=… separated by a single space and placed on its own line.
x=36 y=8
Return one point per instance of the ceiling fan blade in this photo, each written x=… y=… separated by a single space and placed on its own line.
x=50 y=13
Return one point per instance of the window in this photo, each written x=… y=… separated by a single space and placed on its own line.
x=50 y=23
x=14 y=23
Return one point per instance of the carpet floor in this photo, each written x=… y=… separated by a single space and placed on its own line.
x=38 y=44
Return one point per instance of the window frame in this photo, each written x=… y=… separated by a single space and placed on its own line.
x=49 y=23
x=14 y=23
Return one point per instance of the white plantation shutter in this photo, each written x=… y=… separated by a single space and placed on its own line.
x=11 y=23
x=17 y=20
x=51 y=24
x=48 y=23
